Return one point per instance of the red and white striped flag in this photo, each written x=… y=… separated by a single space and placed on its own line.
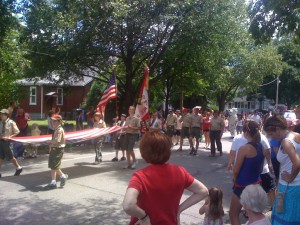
x=109 y=93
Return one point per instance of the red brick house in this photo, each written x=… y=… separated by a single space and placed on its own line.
x=43 y=95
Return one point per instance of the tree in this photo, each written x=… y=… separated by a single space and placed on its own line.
x=273 y=17
x=75 y=36
x=289 y=78
x=12 y=62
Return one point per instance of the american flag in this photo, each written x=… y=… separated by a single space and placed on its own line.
x=109 y=93
x=70 y=137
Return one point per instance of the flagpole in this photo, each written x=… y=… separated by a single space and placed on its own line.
x=117 y=107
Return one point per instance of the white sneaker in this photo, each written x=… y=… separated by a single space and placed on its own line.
x=133 y=165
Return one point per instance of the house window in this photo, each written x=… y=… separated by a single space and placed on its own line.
x=32 y=97
x=60 y=96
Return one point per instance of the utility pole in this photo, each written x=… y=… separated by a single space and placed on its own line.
x=277 y=90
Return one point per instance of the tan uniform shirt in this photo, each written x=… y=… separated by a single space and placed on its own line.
x=186 y=120
x=134 y=122
x=171 y=120
x=10 y=128
x=216 y=124
x=156 y=123
x=196 y=120
x=100 y=124
x=59 y=138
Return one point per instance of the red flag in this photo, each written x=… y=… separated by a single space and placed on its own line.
x=109 y=93
x=142 y=108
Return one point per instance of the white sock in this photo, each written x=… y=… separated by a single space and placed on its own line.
x=63 y=176
x=53 y=182
x=19 y=167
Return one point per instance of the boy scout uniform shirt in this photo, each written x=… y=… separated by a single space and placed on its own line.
x=134 y=122
x=186 y=120
x=59 y=138
x=196 y=120
x=171 y=120
x=9 y=128
x=156 y=123
x=216 y=124
x=100 y=124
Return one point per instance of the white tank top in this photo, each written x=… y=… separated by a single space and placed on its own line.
x=286 y=163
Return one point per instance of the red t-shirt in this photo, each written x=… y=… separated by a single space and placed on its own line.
x=160 y=189
x=205 y=123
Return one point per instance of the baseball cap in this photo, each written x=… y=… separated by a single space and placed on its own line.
x=56 y=117
x=4 y=111
x=184 y=110
x=97 y=114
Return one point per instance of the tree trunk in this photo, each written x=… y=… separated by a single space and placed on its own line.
x=221 y=99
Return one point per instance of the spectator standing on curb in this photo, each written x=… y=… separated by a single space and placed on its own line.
x=255 y=201
x=132 y=132
x=57 y=146
x=142 y=201
x=287 y=204
x=79 y=120
x=216 y=131
x=120 y=139
x=8 y=129
x=247 y=168
x=12 y=111
x=90 y=116
x=50 y=127
x=98 y=142
x=213 y=207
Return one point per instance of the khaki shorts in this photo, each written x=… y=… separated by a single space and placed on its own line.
x=6 y=150
x=170 y=131
x=55 y=157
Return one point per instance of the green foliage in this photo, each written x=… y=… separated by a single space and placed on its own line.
x=289 y=77
x=274 y=17
x=12 y=61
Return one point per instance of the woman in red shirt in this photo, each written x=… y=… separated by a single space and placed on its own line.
x=205 y=128
x=22 y=122
x=154 y=192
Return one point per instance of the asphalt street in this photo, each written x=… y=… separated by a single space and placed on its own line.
x=94 y=193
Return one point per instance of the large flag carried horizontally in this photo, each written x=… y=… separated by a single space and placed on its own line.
x=142 y=108
x=109 y=93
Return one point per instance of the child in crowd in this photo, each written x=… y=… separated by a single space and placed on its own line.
x=32 y=149
x=213 y=208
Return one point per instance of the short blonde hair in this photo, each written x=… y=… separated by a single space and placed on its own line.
x=254 y=198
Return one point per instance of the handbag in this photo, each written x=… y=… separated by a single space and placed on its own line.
x=280 y=200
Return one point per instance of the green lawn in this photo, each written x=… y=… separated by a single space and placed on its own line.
x=45 y=123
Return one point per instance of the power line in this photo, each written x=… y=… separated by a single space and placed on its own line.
x=268 y=83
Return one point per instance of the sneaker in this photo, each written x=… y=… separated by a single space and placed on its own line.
x=192 y=151
x=96 y=162
x=114 y=159
x=133 y=165
x=50 y=186
x=195 y=152
x=63 y=180
x=127 y=167
x=18 y=172
x=180 y=149
x=123 y=158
